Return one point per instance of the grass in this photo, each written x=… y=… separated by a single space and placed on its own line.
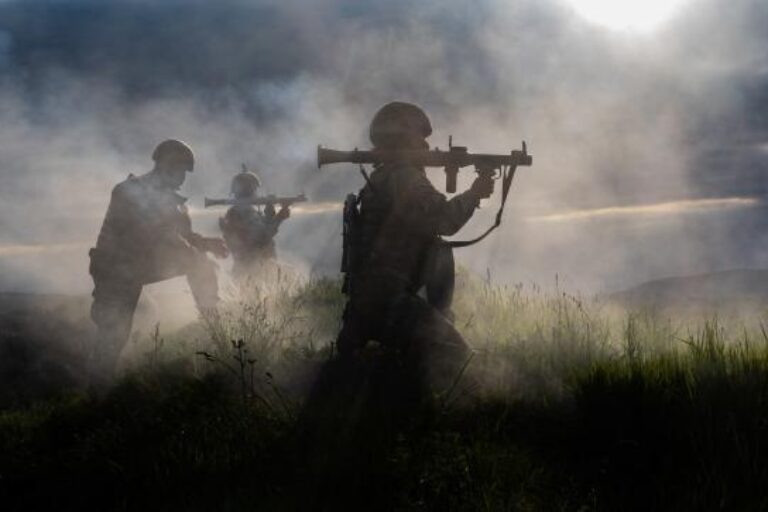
x=582 y=406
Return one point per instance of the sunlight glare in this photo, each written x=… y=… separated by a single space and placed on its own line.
x=632 y=15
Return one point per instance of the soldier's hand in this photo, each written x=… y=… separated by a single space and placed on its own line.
x=284 y=213
x=217 y=247
x=483 y=187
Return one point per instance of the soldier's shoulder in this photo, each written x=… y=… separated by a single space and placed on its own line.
x=412 y=176
x=398 y=172
x=127 y=186
x=401 y=168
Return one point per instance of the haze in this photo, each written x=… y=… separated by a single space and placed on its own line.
x=662 y=131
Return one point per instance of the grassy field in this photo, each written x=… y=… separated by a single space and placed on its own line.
x=576 y=405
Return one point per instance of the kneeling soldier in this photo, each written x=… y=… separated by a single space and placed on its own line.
x=396 y=228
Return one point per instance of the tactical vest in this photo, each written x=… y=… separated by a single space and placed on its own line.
x=374 y=244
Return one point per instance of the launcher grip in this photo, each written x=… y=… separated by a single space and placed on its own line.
x=451 y=171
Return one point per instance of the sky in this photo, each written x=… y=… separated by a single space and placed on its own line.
x=650 y=144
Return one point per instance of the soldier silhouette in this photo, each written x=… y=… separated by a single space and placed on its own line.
x=249 y=231
x=364 y=397
x=398 y=219
x=147 y=237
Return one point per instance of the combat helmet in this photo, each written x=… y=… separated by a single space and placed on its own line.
x=398 y=120
x=245 y=183
x=177 y=150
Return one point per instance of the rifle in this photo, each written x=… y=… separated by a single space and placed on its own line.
x=492 y=166
x=269 y=200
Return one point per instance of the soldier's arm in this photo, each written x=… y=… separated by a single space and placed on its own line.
x=284 y=213
x=185 y=232
x=431 y=212
x=198 y=241
x=277 y=219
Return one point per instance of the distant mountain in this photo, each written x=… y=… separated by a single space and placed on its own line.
x=717 y=290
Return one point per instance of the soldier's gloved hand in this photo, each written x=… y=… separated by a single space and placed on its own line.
x=284 y=213
x=217 y=247
x=483 y=187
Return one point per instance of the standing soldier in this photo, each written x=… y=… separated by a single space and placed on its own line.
x=393 y=236
x=147 y=237
x=248 y=231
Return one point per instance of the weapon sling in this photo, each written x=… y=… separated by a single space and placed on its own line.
x=506 y=184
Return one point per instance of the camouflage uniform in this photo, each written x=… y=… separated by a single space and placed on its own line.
x=250 y=234
x=401 y=218
x=146 y=237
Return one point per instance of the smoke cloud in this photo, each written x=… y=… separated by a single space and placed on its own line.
x=616 y=121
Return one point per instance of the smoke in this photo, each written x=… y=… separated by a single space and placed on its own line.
x=662 y=209
x=613 y=119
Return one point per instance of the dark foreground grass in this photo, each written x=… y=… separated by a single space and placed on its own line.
x=581 y=409
x=675 y=432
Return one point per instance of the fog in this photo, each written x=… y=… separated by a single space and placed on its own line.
x=648 y=147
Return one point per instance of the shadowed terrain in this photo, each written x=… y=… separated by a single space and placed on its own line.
x=44 y=339
x=42 y=342
x=579 y=407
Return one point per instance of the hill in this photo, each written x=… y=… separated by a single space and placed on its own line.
x=728 y=290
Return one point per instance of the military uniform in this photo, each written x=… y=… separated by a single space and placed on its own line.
x=146 y=237
x=249 y=234
x=401 y=219
x=363 y=399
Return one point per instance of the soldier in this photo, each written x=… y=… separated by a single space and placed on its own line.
x=249 y=232
x=147 y=237
x=401 y=217
x=359 y=404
